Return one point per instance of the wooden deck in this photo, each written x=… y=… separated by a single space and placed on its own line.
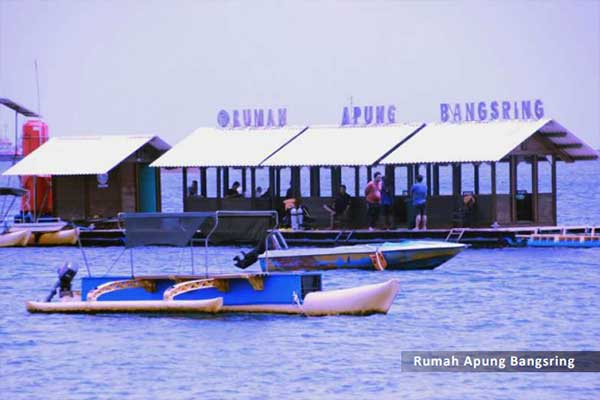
x=476 y=237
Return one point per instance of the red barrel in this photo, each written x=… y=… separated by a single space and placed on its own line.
x=35 y=133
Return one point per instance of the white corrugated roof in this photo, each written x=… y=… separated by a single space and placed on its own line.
x=341 y=145
x=569 y=143
x=85 y=155
x=481 y=141
x=210 y=147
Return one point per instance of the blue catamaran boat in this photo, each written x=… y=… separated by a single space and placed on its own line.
x=288 y=293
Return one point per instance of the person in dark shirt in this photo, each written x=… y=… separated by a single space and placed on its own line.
x=418 y=194
x=387 y=202
x=193 y=190
x=340 y=206
x=233 y=190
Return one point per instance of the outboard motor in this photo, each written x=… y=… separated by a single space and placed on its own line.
x=66 y=273
x=247 y=259
x=276 y=241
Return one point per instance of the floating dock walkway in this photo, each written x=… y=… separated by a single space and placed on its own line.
x=475 y=237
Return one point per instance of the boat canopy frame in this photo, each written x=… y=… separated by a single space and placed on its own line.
x=14 y=193
x=142 y=233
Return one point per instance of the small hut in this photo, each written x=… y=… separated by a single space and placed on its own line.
x=96 y=177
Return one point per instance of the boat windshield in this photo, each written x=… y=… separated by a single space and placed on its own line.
x=168 y=229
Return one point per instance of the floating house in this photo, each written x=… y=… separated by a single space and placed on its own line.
x=96 y=177
x=507 y=167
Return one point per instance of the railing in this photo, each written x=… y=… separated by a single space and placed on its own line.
x=278 y=243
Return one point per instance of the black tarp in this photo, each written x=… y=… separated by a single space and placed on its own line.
x=177 y=229
x=167 y=229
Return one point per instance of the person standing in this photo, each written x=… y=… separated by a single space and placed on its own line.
x=387 y=202
x=418 y=193
x=373 y=198
x=193 y=190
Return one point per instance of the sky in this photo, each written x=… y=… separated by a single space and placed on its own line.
x=168 y=67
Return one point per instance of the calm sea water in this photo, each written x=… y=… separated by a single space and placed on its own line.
x=501 y=299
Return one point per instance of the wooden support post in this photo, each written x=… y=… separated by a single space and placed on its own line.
x=315 y=181
x=476 y=178
x=513 y=188
x=203 y=182
x=494 y=195
x=158 y=189
x=457 y=180
x=333 y=184
x=410 y=180
x=534 y=188
x=252 y=182
x=390 y=178
x=225 y=180
x=277 y=181
x=428 y=170
x=369 y=173
x=185 y=185
x=553 y=177
x=336 y=180
x=295 y=181
x=219 y=191
x=436 y=180
x=357 y=181
x=244 y=185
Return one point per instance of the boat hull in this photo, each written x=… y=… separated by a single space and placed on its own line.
x=276 y=293
x=427 y=256
x=26 y=237
x=581 y=241
x=106 y=307
x=38 y=227
x=68 y=237
x=15 y=239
